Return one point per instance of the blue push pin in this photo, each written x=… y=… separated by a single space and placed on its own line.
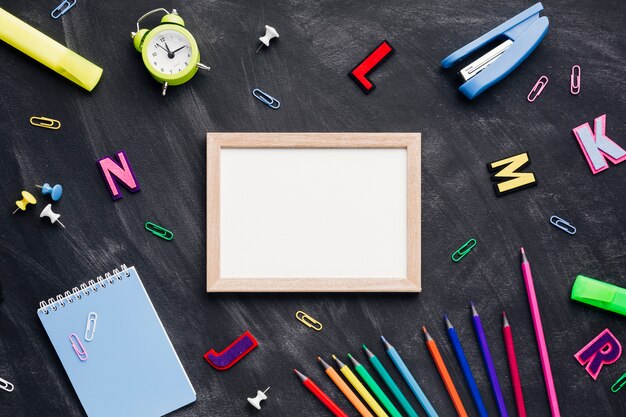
x=55 y=192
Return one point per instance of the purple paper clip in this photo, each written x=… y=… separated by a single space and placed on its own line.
x=78 y=347
x=538 y=88
x=575 y=80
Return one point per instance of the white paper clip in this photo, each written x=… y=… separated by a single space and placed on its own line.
x=6 y=385
x=538 y=88
x=563 y=225
x=78 y=347
x=266 y=98
x=91 y=326
x=62 y=8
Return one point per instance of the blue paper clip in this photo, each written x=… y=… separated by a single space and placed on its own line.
x=62 y=8
x=463 y=250
x=266 y=98
x=621 y=381
x=563 y=225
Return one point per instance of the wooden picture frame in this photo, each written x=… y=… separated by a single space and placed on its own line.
x=217 y=143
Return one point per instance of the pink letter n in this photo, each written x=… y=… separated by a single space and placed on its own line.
x=114 y=173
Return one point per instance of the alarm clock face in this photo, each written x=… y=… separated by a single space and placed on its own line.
x=169 y=52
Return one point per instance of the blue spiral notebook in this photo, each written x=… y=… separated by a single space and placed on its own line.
x=114 y=348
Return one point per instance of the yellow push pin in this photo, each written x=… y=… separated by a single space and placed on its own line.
x=26 y=200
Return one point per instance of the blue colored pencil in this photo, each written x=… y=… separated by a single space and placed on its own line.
x=491 y=369
x=412 y=383
x=467 y=372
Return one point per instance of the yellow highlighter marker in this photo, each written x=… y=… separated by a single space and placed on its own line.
x=49 y=52
x=363 y=392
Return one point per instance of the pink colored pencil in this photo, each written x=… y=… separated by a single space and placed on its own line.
x=510 y=354
x=541 y=340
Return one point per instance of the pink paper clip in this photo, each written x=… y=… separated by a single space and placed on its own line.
x=78 y=347
x=575 y=80
x=538 y=88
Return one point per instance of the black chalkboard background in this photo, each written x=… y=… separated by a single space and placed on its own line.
x=320 y=41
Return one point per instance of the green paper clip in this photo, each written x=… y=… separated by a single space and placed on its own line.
x=599 y=294
x=159 y=231
x=463 y=250
x=621 y=381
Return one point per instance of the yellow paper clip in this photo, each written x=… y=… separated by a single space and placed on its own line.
x=159 y=231
x=463 y=250
x=45 y=122
x=621 y=381
x=308 y=320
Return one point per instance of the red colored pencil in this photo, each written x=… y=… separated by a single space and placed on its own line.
x=325 y=399
x=510 y=354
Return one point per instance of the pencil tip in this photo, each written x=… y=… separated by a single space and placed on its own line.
x=300 y=375
x=448 y=323
x=323 y=363
x=339 y=363
x=368 y=352
x=426 y=334
x=474 y=312
x=386 y=343
x=354 y=361
x=505 y=320
x=523 y=254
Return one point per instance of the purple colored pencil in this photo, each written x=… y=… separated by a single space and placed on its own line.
x=491 y=369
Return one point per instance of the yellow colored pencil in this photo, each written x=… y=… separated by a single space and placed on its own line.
x=350 y=395
x=378 y=410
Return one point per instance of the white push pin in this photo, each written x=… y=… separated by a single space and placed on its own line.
x=270 y=33
x=256 y=401
x=47 y=212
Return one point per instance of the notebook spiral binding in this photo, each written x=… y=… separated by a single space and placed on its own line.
x=85 y=289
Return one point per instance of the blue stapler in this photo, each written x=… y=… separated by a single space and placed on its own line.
x=517 y=38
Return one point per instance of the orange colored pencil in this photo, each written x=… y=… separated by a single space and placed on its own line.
x=350 y=395
x=445 y=375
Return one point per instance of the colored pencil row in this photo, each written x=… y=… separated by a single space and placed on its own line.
x=380 y=403
x=382 y=406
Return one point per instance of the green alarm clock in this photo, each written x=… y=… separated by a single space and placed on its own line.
x=169 y=51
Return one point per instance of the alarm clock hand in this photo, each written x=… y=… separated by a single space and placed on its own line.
x=184 y=46
x=170 y=54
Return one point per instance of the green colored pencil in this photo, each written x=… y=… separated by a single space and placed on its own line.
x=382 y=372
x=382 y=397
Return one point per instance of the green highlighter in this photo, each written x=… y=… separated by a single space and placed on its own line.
x=599 y=294
x=373 y=386
x=382 y=372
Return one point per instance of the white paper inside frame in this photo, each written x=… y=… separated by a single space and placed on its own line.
x=308 y=212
